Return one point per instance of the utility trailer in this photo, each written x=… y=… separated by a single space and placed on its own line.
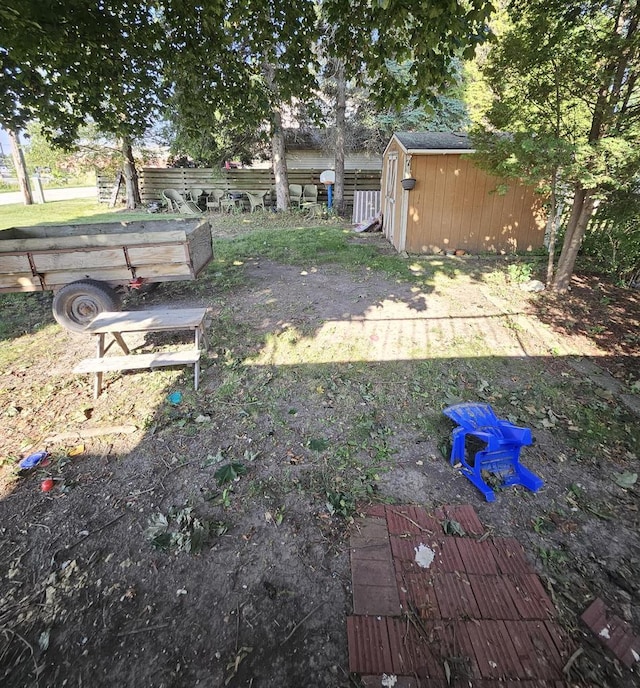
x=88 y=266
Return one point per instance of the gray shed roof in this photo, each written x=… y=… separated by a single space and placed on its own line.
x=433 y=140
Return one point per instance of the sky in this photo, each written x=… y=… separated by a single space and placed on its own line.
x=4 y=142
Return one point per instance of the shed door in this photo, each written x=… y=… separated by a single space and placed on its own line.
x=390 y=195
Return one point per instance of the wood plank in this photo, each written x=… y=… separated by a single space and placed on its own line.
x=19 y=282
x=62 y=277
x=85 y=433
x=137 y=361
x=199 y=249
x=170 y=224
x=147 y=321
x=467 y=233
x=14 y=264
x=165 y=272
x=154 y=180
x=152 y=255
x=53 y=243
x=75 y=260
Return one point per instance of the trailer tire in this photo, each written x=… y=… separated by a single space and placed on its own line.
x=78 y=303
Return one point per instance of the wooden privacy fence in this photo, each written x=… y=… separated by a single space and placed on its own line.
x=153 y=180
x=106 y=185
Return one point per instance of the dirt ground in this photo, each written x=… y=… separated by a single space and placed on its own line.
x=205 y=542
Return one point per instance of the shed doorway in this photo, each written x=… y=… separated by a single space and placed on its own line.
x=390 y=196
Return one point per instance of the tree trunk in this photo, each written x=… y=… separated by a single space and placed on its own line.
x=279 y=162
x=580 y=215
x=605 y=112
x=21 y=167
x=130 y=176
x=552 y=230
x=341 y=105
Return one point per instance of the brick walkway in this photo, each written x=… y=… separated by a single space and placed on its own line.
x=438 y=611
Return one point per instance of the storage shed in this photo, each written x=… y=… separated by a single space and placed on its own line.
x=453 y=205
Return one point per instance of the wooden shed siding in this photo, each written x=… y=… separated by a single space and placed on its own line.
x=454 y=206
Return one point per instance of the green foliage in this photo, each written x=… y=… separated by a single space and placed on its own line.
x=611 y=244
x=520 y=272
x=553 y=558
x=371 y=36
x=563 y=75
x=230 y=472
x=526 y=156
x=318 y=444
x=443 y=112
x=451 y=527
x=91 y=151
x=230 y=66
x=64 y=61
x=224 y=499
x=341 y=504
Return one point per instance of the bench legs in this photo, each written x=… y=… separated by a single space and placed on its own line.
x=97 y=380
x=200 y=337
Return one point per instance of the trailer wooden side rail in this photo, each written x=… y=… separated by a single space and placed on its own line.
x=89 y=266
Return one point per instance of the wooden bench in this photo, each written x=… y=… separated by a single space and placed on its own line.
x=162 y=320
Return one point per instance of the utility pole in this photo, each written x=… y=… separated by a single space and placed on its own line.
x=21 y=167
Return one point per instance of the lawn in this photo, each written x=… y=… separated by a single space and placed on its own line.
x=203 y=539
x=59 y=212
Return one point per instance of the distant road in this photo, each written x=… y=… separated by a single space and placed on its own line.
x=64 y=194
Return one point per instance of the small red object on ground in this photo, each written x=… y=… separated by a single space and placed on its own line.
x=47 y=485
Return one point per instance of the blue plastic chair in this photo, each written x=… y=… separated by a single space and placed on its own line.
x=500 y=457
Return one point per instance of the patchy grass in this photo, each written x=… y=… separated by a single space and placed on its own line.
x=78 y=211
x=312 y=246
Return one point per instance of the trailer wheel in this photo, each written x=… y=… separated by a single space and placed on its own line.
x=76 y=304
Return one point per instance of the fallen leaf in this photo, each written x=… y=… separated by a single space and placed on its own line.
x=76 y=451
x=625 y=480
x=232 y=471
x=43 y=639
x=318 y=444
x=452 y=527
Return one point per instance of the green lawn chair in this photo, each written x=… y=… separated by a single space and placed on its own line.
x=179 y=204
x=256 y=199
x=310 y=199
x=295 y=195
x=310 y=194
x=214 y=199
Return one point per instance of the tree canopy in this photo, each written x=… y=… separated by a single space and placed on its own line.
x=372 y=36
x=227 y=71
x=564 y=77
x=67 y=61
x=231 y=65
x=64 y=61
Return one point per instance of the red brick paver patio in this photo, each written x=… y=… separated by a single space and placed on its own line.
x=434 y=611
